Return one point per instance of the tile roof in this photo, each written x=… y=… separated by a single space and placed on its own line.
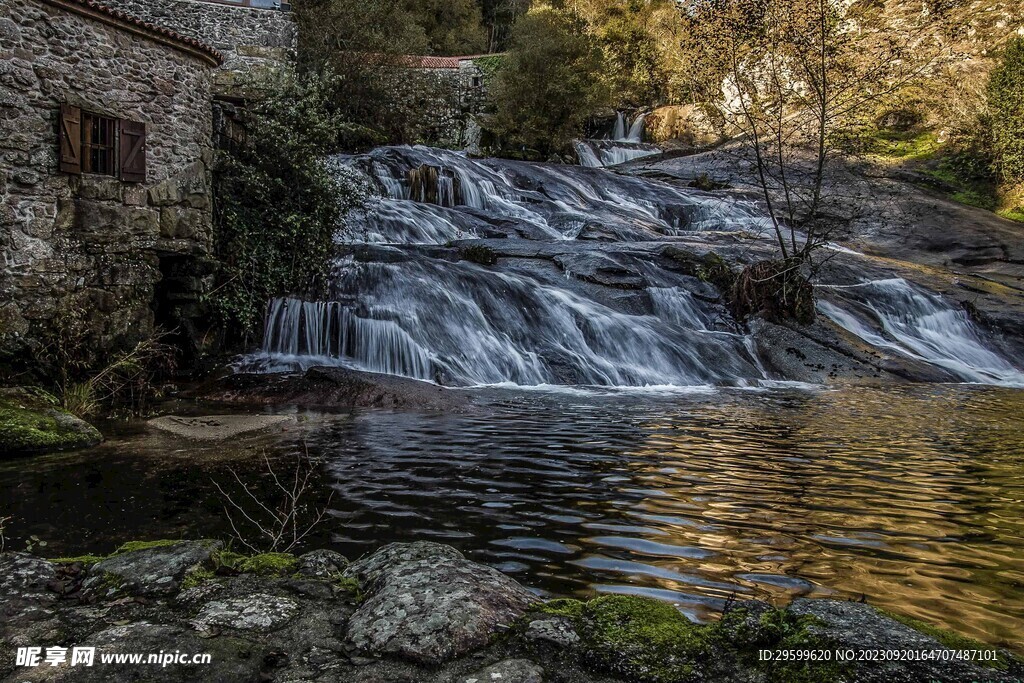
x=430 y=62
x=115 y=17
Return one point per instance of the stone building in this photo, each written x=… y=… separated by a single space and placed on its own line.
x=105 y=154
x=453 y=94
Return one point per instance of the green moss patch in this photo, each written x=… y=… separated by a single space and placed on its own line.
x=28 y=425
x=648 y=641
x=133 y=546
x=643 y=639
x=264 y=564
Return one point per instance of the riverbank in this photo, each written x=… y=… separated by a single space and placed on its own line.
x=423 y=612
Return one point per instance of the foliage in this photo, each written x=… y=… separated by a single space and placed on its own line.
x=452 y=27
x=550 y=85
x=636 y=38
x=1006 y=101
x=279 y=201
x=775 y=289
x=85 y=373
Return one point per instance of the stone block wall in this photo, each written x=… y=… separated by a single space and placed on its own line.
x=92 y=241
x=251 y=40
x=451 y=101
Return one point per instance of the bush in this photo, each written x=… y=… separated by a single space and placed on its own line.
x=1006 y=101
x=279 y=200
x=550 y=83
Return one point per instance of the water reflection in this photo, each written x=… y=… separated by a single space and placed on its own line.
x=912 y=497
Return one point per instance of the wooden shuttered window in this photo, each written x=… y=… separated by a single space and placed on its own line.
x=132 y=144
x=90 y=143
x=70 y=139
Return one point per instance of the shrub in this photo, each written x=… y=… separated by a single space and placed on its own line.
x=1006 y=101
x=550 y=82
x=279 y=200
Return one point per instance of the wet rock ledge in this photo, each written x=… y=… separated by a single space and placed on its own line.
x=420 y=613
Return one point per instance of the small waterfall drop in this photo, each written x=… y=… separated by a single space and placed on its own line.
x=636 y=131
x=619 y=132
x=895 y=315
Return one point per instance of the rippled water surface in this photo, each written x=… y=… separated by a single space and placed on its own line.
x=912 y=497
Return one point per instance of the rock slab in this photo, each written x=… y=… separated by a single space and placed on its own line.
x=427 y=603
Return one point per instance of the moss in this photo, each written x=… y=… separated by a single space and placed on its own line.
x=133 y=546
x=32 y=426
x=641 y=638
x=954 y=641
x=566 y=607
x=269 y=564
x=903 y=145
x=79 y=559
x=264 y=564
x=197 y=577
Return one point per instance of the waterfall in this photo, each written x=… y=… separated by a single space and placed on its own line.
x=586 y=155
x=636 y=131
x=463 y=324
x=895 y=315
x=485 y=272
x=619 y=132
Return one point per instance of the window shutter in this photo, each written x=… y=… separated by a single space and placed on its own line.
x=70 y=139
x=133 y=151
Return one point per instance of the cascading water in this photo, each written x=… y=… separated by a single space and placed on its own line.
x=580 y=295
x=892 y=314
x=624 y=145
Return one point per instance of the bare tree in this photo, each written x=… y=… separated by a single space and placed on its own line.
x=279 y=522
x=792 y=78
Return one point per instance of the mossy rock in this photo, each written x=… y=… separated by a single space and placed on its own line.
x=1004 y=661
x=635 y=637
x=263 y=564
x=30 y=424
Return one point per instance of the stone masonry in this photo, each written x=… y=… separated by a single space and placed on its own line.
x=252 y=40
x=95 y=243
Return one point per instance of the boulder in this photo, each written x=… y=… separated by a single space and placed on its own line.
x=859 y=626
x=26 y=603
x=507 y=671
x=258 y=612
x=30 y=424
x=425 y=602
x=151 y=570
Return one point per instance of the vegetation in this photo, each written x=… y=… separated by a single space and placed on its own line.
x=648 y=640
x=279 y=201
x=550 y=84
x=31 y=424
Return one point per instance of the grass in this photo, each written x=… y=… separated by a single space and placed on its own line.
x=932 y=159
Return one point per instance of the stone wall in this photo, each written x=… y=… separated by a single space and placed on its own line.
x=90 y=242
x=251 y=40
x=452 y=100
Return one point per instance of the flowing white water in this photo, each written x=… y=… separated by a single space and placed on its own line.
x=895 y=315
x=597 y=311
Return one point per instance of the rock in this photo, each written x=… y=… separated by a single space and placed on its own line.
x=149 y=571
x=557 y=631
x=335 y=388
x=427 y=603
x=859 y=626
x=24 y=597
x=30 y=424
x=231 y=659
x=217 y=427
x=259 y=613
x=508 y=671
x=322 y=564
